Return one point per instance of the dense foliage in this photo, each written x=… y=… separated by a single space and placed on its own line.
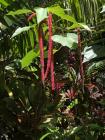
x=52 y=62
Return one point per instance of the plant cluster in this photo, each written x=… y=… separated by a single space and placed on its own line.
x=52 y=62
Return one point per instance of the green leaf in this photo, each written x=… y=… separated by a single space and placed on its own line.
x=4 y=3
x=41 y=14
x=68 y=18
x=67 y=41
x=44 y=136
x=57 y=10
x=2 y=26
x=27 y=60
x=95 y=67
x=8 y=21
x=32 y=37
x=95 y=126
x=103 y=9
x=93 y=52
x=74 y=26
x=73 y=37
x=84 y=26
x=21 y=30
x=76 y=129
x=77 y=25
x=19 y=12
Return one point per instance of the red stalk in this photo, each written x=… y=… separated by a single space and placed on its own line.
x=50 y=45
x=50 y=62
x=52 y=73
x=41 y=53
x=52 y=56
x=80 y=49
x=31 y=16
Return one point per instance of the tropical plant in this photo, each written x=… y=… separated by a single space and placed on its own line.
x=34 y=104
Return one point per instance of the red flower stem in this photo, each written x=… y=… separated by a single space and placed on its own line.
x=80 y=54
x=50 y=62
x=52 y=73
x=52 y=56
x=50 y=45
x=31 y=16
x=41 y=53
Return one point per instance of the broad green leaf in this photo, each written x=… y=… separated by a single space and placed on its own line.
x=67 y=41
x=73 y=37
x=67 y=17
x=41 y=14
x=77 y=25
x=84 y=26
x=60 y=12
x=21 y=30
x=93 y=52
x=103 y=9
x=19 y=12
x=27 y=60
x=44 y=136
x=4 y=3
x=89 y=54
x=56 y=10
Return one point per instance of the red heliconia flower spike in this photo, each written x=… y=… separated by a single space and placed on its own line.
x=50 y=45
x=52 y=56
x=41 y=53
x=80 y=47
x=50 y=62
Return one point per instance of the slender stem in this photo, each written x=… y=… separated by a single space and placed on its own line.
x=80 y=55
x=41 y=53
x=50 y=45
